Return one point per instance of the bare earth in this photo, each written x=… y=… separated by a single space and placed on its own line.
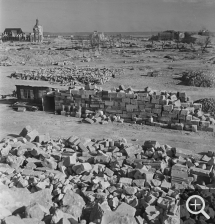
x=11 y=122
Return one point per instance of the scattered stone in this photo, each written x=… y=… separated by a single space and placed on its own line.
x=98 y=181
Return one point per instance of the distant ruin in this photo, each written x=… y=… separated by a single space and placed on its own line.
x=37 y=32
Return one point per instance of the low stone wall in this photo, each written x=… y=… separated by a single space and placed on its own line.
x=164 y=109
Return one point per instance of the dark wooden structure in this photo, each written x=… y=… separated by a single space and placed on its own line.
x=13 y=30
x=34 y=95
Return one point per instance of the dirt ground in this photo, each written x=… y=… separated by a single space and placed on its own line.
x=136 y=63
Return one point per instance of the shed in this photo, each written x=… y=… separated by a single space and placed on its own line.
x=36 y=95
x=13 y=30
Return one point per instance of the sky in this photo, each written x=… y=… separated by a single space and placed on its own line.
x=108 y=15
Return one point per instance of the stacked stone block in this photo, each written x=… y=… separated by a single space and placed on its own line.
x=164 y=109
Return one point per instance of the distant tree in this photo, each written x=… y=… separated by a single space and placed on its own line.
x=204 y=42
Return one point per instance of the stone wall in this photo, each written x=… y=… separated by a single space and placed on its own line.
x=164 y=109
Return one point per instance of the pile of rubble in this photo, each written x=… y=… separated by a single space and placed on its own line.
x=199 y=78
x=208 y=105
x=5 y=63
x=70 y=76
x=97 y=181
x=156 y=108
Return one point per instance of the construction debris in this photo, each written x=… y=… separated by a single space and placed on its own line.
x=98 y=181
x=70 y=76
x=208 y=105
x=199 y=78
x=23 y=106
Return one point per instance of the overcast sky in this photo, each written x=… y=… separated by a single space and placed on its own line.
x=108 y=15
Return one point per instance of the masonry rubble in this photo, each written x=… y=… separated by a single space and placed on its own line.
x=173 y=110
x=70 y=75
x=104 y=181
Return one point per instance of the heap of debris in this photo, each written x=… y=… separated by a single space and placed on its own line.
x=199 y=78
x=70 y=75
x=5 y=63
x=151 y=107
x=208 y=105
x=97 y=181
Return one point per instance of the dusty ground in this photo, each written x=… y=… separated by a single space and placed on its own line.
x=138 y=63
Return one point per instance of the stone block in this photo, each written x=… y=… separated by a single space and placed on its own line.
x=163 y=203
x=13 y=220
x=81 y=168
x=194 y=128
x=25 y=131
x=197 y=106
x=148 y=175
x=165 y=185
x=125 y=181
x=200 y=172
x=88 y=120
x=31 y=135
x=139 y=182
x=82 y=147
x=102 y=159
x=168 y=108
x=49 y=163
x=70 y=160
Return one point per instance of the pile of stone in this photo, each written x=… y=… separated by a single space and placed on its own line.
x=5 y=63
x=199 y=78
x=70 y=75
x=162 y=109
x=93 y=181
x=62 y=63
x=208 y=105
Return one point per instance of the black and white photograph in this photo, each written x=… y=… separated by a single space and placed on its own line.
x=107 y=111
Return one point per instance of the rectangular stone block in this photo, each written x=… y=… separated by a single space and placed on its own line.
x=126 y=100
x=158 y=106
x=209 y=129
x=197 y=106
x=147 y=99
x=125 y=180
x=148 y=110
x=168 y=107
x=155 y=101
x=195 y=122
x=32 y=135
x=200 y=172
x=205 y=123
x=156 y=111
x=112 y=94
x=109 y=103
x=164 y=102
x=165 y=119
x=133 y=101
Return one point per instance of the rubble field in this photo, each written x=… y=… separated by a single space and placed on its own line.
x=115 y=173
x=70 y=76
x=82 y=180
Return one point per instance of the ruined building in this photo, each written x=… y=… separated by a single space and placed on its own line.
x=38 y=32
